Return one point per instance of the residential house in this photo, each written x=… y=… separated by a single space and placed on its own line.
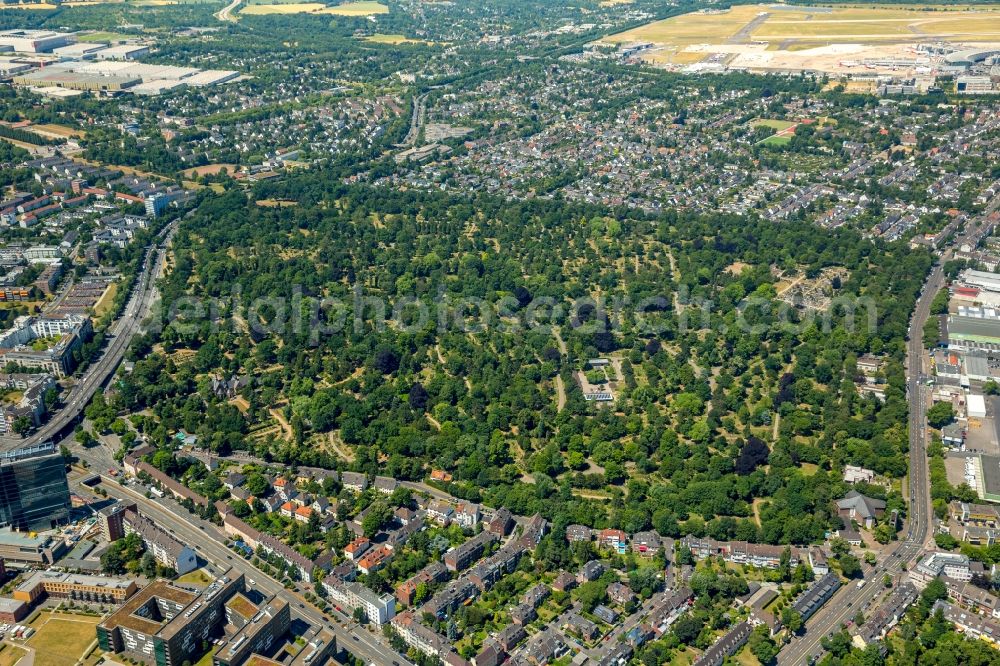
x=440 y=512
x=354 y=481
x=578 y=533
x=646 y=544
x=374 y=559
x=854 y=474
x=606 y=614
x=620 y=593
x=467 y=515
x=386 y=485
x=564 y=582
x=463 y=556
x=523 y=614
x=616 y=540
x=501 y=523
x=860 y=508
x=590 y=571
x=728 y=645
x=354 y=550
x=581 y=626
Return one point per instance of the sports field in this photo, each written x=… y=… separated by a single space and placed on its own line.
x=682 y=39
x=346 y=9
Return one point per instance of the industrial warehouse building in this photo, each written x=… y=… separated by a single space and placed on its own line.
x=49 y=78
x=32 y=41
x=973 y=332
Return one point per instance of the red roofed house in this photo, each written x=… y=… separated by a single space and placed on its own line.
x=374 y=560
x=357 y=548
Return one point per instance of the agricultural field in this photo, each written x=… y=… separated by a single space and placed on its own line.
x=33 y=5
x=56 y=131
x=379 y=38
x=346 y=9
x=765 y=33
x=61 y=639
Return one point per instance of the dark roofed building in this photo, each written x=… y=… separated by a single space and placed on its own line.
x=726 y=646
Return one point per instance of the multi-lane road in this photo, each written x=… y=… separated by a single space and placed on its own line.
x=119 y=336
x=851 y=598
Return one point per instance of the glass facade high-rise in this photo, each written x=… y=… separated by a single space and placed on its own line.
x=34 y=493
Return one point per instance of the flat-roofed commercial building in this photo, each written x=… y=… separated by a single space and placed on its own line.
x=98 y=589
x=29 y=549
x=80 y=50
x=165 y=625
x=123 y=52
x=45 y=78
x=34 y=493
x=33 y=41
x=12 y=610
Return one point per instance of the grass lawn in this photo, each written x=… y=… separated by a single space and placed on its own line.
x=379 y=38
x=808 y=469
x=106 y=300
x=55 y=129
x=209 y=170
x=102 y=37
x=276 y=203
x=776 y=140
x=61 y=640
x=745 y=658
x=10 y=654
x=196 y=577
x=206 y=659
x=774 y=123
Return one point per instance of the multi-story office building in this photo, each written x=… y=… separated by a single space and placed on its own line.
x=99 y=589
x=165 y=625
x=259 y=629
x=34 y=494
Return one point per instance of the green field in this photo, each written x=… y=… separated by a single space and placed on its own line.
x=102 y=37
x=61 y=639
x=777 y=125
